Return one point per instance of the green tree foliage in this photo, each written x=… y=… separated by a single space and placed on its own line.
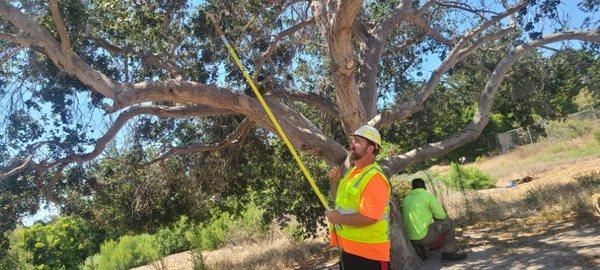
x=127 y=252
x=64 y=243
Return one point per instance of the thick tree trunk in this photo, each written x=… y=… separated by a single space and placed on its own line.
x=403 y=255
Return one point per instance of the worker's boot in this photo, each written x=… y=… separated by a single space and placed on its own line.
x=422 y=252
x=453 y=256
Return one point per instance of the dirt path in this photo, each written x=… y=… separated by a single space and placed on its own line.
x=529 y=244
x=541 y=241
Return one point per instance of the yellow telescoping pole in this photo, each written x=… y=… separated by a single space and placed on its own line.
x=270 y=114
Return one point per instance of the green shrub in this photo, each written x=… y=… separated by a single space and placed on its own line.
x=293 y=230
x=198 y=259
x=127 y=252
x=226 y=229
x=467 y=178
x=198 y=239
x=65 y=243
x=91 y=263
x=249 y=227
x=172 y=240
x=208 y=236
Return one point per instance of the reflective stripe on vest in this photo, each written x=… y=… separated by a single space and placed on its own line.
x=347 y=201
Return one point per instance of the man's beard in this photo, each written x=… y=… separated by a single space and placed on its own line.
x=356 y=155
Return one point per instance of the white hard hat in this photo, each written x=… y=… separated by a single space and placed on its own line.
x=370 y=133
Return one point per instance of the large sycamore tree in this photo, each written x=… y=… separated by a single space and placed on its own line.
x=75 y=73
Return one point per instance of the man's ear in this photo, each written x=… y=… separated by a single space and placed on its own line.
x=373 y=148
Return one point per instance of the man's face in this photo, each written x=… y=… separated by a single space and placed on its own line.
x=359 y=147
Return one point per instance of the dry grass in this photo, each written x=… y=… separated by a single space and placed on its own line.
x=555 y=167
x=537 y=158
x=281 y=253
x=564 y=189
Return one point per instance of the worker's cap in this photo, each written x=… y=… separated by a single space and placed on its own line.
x=370 y=133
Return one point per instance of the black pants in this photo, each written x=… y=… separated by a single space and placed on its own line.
x=353 y=262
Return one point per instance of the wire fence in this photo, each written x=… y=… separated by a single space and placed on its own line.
x=574 y=125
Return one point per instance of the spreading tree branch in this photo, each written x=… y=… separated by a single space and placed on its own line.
x=236 y=137
x=32 y=34
x=310 y=98
x=151 y=59
x=462 y=6
x=285 y=33
x=457 y=54
x=24 y=165
x=395 y=164
x=122 y=119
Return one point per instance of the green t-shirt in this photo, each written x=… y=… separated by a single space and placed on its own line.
x=418 y=209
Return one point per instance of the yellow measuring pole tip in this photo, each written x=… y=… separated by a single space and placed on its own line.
x=272 y=117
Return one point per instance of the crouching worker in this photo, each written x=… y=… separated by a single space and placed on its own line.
x=427 y=223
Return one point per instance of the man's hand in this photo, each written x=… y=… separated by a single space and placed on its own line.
x=334 y=179
x=333 y=216
x=335 y=174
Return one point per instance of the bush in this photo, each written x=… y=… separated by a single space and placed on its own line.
x=65 y=243
x=249 y=227
x=467 y=178
x=293 y=230
x=227 y=230
x=172 y=240
x=208 y=236
x=597 y=135
x=127 y=252
x=91 y=263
